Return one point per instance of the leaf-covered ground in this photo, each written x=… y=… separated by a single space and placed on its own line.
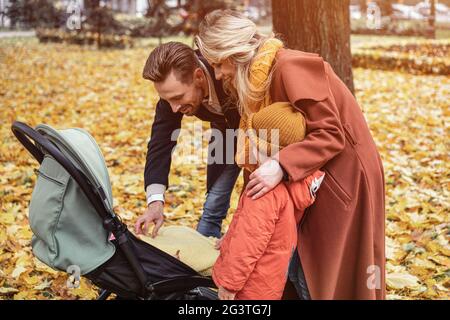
x=104 y=93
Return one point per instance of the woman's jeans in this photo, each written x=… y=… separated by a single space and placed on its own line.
x=297 y=277
x=217 y=202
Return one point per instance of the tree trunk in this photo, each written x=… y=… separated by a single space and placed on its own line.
x=91 y=4
x=385 y=7
x=320 y=26
x=432 y=19
x=363 y=8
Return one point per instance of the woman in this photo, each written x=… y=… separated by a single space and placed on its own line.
x=341 y=237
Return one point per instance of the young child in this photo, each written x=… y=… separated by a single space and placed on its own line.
x=262 y=237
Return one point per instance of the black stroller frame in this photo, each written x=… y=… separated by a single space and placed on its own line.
x=130 y=273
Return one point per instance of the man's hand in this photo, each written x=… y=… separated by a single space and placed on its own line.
x=224 y=294
x=153 y=213
x=264 y=179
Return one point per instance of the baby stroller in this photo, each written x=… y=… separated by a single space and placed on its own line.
x=72 y=220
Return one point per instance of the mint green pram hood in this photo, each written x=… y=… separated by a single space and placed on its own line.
x=67 y=230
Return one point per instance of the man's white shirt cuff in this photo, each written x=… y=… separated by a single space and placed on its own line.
x=155 y=192
x=155 y=197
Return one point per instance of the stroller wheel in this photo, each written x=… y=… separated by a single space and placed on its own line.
x=201 y=293
x=104 y=294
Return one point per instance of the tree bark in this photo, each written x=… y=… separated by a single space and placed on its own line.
x=92 y=4
x=363 y=7
x=385 y=7
x=432 y=20
x=319 y=26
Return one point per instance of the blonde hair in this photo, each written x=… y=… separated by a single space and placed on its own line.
x=227 y=34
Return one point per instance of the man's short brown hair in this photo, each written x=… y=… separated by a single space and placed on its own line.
x=175 y=56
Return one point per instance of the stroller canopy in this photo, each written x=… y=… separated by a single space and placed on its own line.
x=67 y=229
x=81 y=148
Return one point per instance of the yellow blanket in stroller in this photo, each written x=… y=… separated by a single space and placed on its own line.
x=188 y=245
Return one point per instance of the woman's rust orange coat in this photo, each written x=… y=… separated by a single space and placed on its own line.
x=341 y=236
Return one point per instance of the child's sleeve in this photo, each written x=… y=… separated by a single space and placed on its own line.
x=249 y=238
x=303 y=193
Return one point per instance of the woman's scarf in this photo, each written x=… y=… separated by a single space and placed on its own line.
x=258 y=74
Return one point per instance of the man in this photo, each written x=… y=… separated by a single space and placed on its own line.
x=186 y=85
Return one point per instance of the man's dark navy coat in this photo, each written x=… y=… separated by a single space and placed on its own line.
x=160 y=146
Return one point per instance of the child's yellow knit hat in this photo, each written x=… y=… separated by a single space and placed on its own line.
x=281 y=116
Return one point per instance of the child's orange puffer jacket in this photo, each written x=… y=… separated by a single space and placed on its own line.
x=256 y=250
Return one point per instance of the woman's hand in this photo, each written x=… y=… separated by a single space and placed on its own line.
x=264 y=179
x=224 y=294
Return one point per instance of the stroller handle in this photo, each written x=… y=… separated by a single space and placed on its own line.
x=23 y=133
x=27 y=135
